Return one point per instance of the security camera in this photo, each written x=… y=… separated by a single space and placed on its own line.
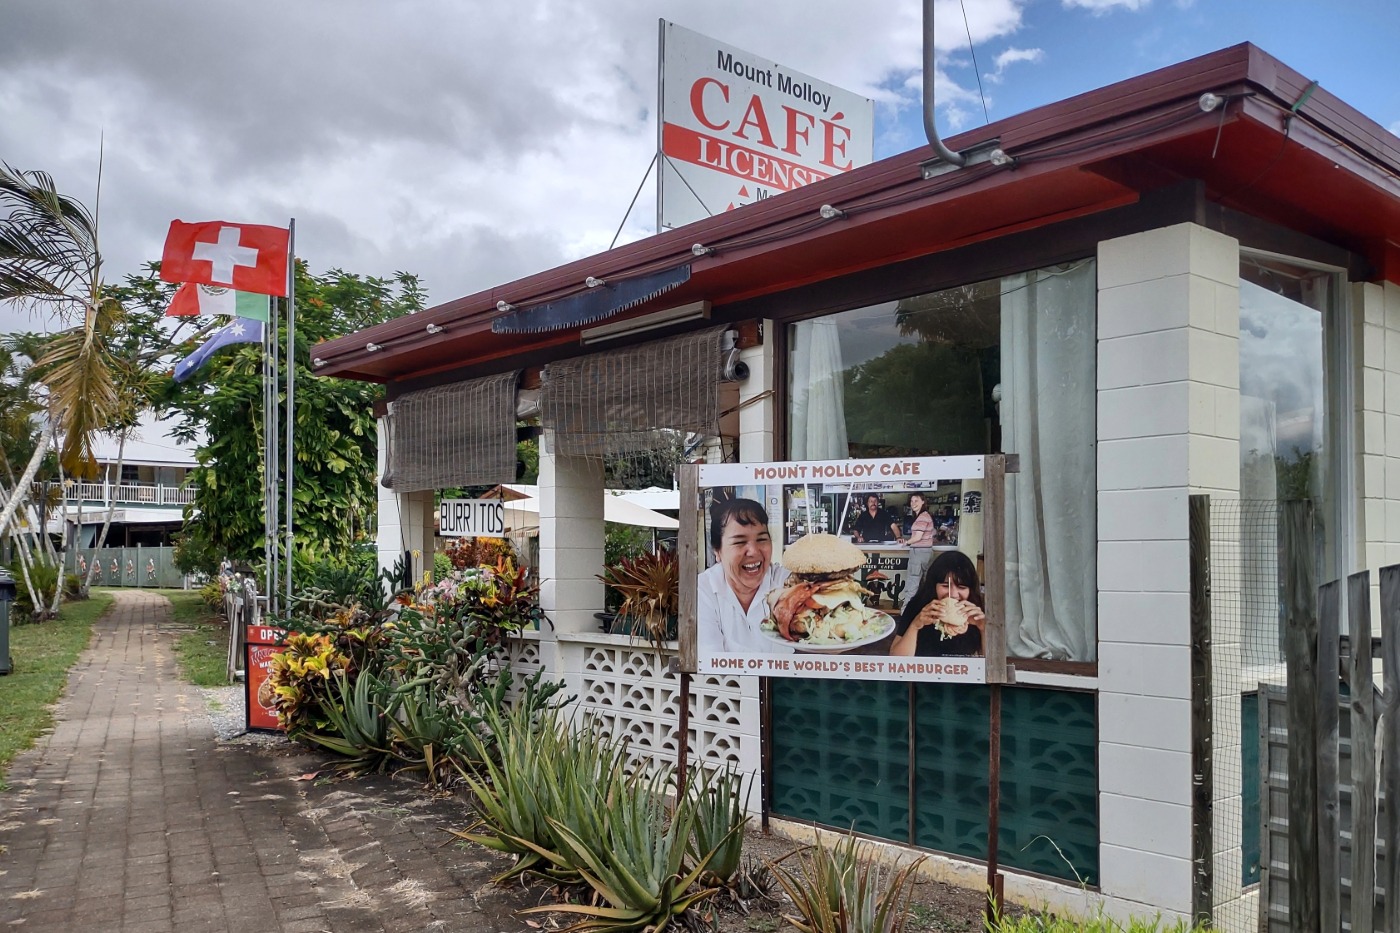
x=735 y=369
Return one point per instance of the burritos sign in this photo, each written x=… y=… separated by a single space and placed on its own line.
x=472 y=518
x=735 y=128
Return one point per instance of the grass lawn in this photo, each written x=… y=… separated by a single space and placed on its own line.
x=202 y=663
x=42 y=656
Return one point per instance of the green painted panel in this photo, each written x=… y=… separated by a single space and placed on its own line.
x=841 y=754
x=1250 y=841
x=840 y=758
x=1049 y=780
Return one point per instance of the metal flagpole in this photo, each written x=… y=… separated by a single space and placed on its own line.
x=291 y=387
x=269 y=533
x=273 y=464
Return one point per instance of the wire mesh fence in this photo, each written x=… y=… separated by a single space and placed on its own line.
x=1246 y=650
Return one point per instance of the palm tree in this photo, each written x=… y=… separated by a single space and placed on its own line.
x=50 y=261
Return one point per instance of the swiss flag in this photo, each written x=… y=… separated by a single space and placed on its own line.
x=245 y=257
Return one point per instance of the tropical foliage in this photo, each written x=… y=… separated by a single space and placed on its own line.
x=409 y=682
x=648 y=587
x=335 y=439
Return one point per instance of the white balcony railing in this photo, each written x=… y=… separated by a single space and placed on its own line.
x=129 y=494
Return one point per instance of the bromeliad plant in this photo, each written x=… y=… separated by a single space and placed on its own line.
x=649 y=585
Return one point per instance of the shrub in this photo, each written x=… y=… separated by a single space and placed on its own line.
x=193 y=553
x=442 y=566
x=43 y=576
x=463 y=553
x=212 y=594
x=301 y=681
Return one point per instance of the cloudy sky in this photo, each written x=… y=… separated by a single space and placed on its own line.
x=474 y=142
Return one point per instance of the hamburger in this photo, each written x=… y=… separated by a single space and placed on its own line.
x=820 y=601
x=953 y=618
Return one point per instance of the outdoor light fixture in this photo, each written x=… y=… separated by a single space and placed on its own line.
x=318 y=362
x=1209 y=101
x=830 y=213
x=504 y=307
x=614 y=329
x=700 y=249
x=434 y=328
x=373 y=348
x=999 y=157
x=592 y=282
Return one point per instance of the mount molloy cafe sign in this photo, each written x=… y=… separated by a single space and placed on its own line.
x=735 y=128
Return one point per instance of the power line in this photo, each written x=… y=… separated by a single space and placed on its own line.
x=975 y=70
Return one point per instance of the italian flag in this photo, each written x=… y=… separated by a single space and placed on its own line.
x=192 y=299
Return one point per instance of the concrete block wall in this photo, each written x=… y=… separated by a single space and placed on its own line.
x=1168 y=426
x=1376 y=322
x=571 y=539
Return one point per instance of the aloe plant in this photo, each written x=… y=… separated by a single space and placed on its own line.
x=842 y=890
x=637 y=863
x=720 y=820
x=506 y=786
x=359 y=716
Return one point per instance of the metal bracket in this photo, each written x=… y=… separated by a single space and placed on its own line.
x=982 y=152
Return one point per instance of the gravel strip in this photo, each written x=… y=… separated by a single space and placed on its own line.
x=224 y=706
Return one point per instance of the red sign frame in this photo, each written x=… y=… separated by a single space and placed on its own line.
x=261 y=642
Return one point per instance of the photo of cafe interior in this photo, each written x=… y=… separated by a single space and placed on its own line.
x=899 y=527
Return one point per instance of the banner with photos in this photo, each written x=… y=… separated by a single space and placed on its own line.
x=872 y=569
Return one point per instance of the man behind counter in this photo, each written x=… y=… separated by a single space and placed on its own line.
x=874 y=525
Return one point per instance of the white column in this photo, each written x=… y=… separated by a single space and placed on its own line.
x=405 y=520
x=571 y=539
x=1168 y=426
x=1376 y=315
x=757 y=418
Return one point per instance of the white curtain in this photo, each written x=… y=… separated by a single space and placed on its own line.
x=818 y=412
x=1048 y=418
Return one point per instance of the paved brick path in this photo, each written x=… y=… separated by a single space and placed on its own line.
x=131 y=816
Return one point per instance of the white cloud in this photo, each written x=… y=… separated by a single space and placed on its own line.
x=1395 y=128
x=469 y=143
x=1100 y=7
x=1010 y=57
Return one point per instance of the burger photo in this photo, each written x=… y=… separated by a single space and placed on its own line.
x=820 y=603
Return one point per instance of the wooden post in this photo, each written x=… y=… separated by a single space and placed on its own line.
x=1363 y=755
x=1390 y=742
x=994 y=547
x=1296 y=539
x=994 y=805
x=1329 y=815
x=688 y=554
x=683 y=736
x=1202 y=714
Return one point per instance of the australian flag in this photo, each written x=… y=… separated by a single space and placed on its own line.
x=242 y=330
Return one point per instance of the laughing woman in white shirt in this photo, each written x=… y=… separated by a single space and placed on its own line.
x=731 y=604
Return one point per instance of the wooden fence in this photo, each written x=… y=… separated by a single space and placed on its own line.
x=1320 y=880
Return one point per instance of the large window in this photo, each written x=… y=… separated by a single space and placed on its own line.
x=1291 y=416
x=1005 y=365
